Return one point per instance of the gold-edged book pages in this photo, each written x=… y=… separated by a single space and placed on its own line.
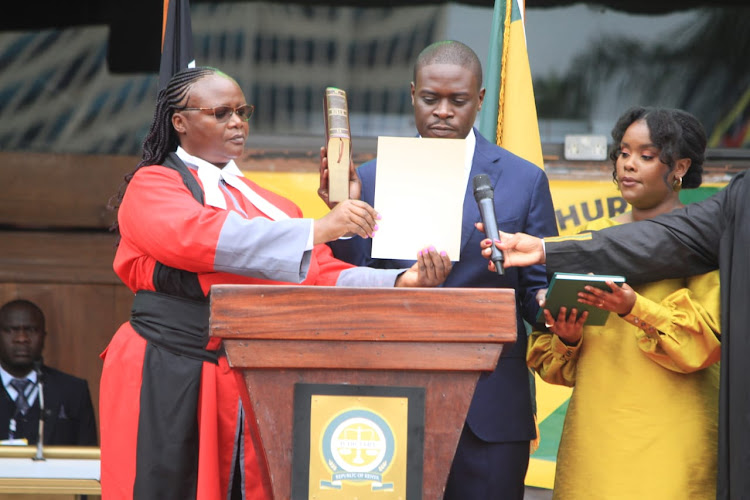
x=338 y=143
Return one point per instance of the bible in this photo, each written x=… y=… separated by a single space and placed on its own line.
x=338 y=143
x=563 y=292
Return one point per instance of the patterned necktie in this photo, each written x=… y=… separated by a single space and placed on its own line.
x=20 y=385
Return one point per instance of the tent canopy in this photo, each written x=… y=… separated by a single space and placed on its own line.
x=56 y=14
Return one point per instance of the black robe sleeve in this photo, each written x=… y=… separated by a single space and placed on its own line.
x=684 y=242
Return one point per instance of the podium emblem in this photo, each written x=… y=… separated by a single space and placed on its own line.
x=358 y=446
x=357 y=441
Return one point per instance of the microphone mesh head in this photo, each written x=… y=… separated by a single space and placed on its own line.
x=482 y=187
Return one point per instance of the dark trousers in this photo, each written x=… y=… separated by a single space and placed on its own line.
x=487 y=471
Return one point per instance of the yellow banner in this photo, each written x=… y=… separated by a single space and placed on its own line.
x=579 y=202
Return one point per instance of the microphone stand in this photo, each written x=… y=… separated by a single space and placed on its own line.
x=39 y=443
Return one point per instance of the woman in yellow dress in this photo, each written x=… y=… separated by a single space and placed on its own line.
x=643 y=416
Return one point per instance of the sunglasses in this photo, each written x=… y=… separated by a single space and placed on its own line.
x=223 y=113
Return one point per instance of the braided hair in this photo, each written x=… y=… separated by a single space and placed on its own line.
x=162 y=138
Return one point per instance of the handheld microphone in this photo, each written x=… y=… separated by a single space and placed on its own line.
x=39 y=380
x=484 y=195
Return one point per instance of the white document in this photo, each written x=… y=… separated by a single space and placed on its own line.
x=419 y=193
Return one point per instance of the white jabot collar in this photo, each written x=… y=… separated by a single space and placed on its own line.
x=210 y=176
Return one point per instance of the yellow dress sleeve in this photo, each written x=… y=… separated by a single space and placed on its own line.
x=681 y=333
x=552 y=359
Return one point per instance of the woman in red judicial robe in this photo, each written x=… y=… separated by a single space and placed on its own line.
x=172 y=425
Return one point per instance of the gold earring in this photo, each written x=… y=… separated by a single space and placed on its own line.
x=677 y=183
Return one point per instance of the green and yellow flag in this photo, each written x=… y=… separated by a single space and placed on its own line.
x=509 y=110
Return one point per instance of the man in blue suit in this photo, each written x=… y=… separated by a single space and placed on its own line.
x=493 y=451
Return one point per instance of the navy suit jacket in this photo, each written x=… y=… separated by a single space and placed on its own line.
x=69 y=413
x=501 y=410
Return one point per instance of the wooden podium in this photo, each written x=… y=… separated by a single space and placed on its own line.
x=437 y=339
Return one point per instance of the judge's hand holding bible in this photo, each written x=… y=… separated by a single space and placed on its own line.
x=355 y=216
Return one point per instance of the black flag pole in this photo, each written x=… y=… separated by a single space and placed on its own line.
x=177 y=40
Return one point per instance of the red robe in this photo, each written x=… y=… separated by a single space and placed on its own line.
x=161 y=222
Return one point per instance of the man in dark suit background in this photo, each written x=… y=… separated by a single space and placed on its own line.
x=493 y=451
x=69 y=413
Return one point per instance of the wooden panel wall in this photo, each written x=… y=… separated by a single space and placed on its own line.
x=81 y=319
x=56 y=250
